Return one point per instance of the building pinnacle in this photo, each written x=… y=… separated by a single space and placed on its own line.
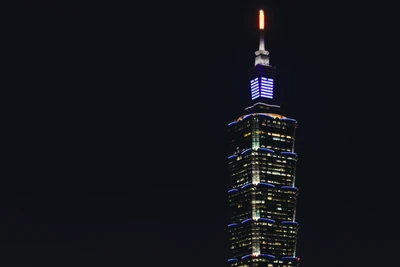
x=262 y=57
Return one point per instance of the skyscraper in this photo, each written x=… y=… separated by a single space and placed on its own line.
x=262 y=166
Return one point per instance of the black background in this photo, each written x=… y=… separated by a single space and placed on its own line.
x=115 y=129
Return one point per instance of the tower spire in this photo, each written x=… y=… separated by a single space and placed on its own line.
x=262 y=57
x=261 y=25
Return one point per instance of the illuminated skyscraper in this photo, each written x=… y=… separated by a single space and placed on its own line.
x=262 y=165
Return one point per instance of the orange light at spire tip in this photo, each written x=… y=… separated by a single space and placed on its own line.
x=261 y=21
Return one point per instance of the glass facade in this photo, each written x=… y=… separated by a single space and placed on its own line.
x=262 y=166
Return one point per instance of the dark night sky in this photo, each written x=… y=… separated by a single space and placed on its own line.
x=116 y=130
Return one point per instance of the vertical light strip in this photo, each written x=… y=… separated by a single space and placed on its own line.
x=261 y=21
